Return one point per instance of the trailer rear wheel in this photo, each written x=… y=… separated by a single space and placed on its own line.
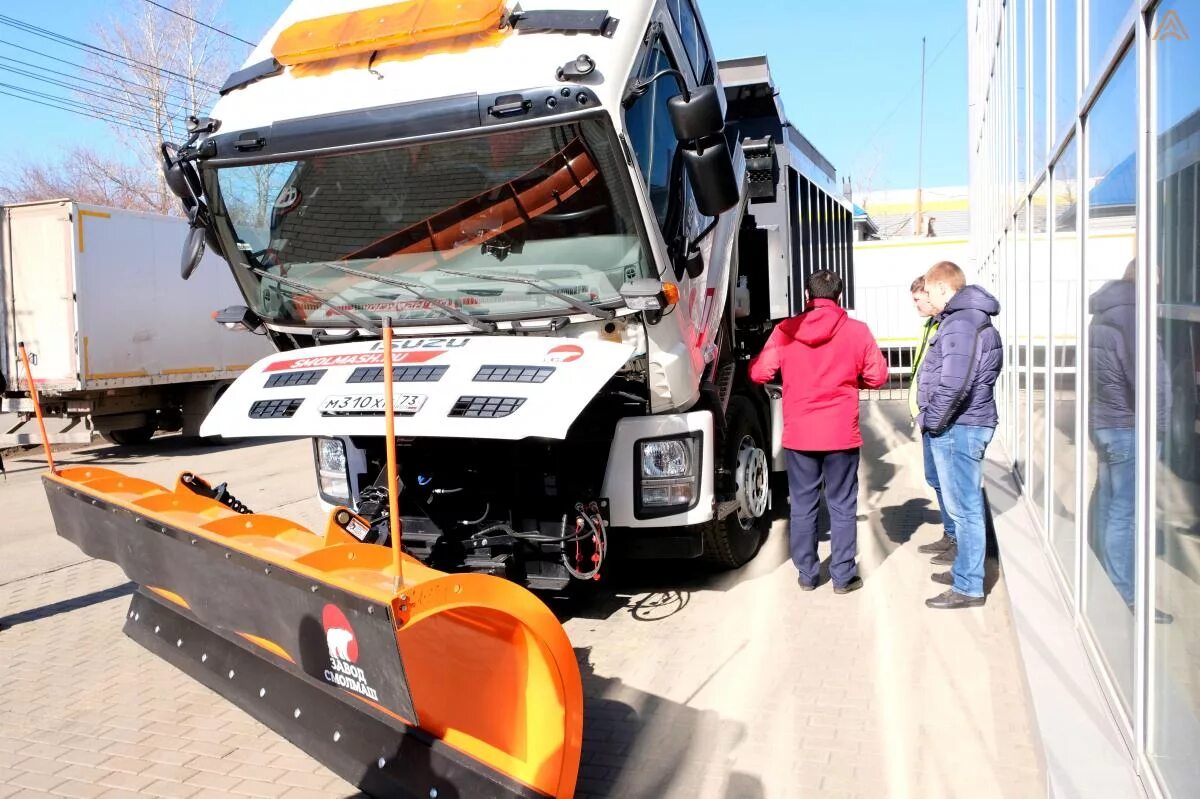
x=733 y=541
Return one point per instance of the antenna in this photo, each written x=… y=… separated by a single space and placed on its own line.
x=918 y=222
x=389 y=415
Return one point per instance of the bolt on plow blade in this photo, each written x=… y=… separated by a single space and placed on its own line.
x=447 y=685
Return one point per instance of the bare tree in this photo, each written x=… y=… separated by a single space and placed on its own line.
x=166 y=67
x=82 y=174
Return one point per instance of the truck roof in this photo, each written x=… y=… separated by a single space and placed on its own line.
x=509 y=62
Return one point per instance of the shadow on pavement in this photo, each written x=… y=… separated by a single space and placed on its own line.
x=639 y=744
x=66 y=605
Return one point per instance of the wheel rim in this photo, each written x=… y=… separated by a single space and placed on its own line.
x=752 y=481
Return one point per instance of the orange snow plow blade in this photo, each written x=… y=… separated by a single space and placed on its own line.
x=450 y=685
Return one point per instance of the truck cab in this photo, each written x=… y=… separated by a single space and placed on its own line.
x=579 y=227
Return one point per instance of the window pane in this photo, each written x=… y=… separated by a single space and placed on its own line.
x=1040 y=107
x=652 y=137
x=1066 y=93
x=1020 y=302
x=1104 y=17
x=1174 y=674
x=1063 y=325
x=1039 y=328
x=1022 y=96
x=1110 y=473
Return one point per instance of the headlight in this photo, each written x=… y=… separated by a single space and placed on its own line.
x=333 y=478
x=672 y=457
x=669 y=475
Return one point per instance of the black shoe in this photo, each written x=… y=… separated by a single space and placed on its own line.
x=946 y=557
x=941 y=545
x=952 y=600
x=853 y=585
x=945 y=578
x=805 y=585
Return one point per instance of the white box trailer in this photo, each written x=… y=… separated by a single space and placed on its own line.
x=122 y=345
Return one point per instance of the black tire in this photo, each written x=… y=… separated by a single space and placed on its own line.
x=733 y=541
x=133 y=436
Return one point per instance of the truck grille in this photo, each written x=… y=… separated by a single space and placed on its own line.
x=275 y=408
x=486 y=407
x=400 y=374
x=307 y=378
x=513 y=374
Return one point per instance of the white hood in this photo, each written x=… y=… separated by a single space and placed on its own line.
x=496 y=387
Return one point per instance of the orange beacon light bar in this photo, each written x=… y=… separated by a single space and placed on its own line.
x=413 y=22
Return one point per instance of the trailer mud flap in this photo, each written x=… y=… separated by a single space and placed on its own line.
x=459 y=681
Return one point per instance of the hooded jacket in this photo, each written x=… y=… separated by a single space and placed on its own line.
x=826 y=357
x=1112 y=334
x=958 y=375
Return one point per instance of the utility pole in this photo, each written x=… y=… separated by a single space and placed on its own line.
x=918 y=217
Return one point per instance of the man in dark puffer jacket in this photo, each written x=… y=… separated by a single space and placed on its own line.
x=958 y=409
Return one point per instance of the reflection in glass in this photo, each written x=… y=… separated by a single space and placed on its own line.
x=1039 y=330
x=1065 y=73
x=1020 y=302
x=1038 y=26
x=1175 y=571
x=1019 y=65
x=1104 y=18
x=1065 y=298
x=1111 y=461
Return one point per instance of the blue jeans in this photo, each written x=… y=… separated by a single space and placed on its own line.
x=839 y=473
x=932 y=479
x=1113 y=505
x=958 y=455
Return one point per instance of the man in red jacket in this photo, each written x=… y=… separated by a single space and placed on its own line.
x=826 y=357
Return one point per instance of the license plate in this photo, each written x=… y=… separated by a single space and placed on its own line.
x=370 y=404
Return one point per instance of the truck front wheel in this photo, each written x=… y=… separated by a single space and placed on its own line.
x=733 y=541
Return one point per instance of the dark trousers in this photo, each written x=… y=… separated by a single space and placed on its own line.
x=839 y=473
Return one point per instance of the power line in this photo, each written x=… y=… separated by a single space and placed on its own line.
x=81 y=90
x=198 y=22
x=100 y=72
x=75 y=111
x=81 y=45
x=121 y=116
x=904 y=99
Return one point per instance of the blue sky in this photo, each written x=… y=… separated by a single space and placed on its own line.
x=848 y=72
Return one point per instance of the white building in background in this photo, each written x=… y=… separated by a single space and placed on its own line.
x=1085 y=198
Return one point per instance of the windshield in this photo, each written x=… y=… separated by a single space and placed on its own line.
x=520 y=223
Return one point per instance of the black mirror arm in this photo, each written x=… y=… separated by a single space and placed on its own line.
x=642 y=86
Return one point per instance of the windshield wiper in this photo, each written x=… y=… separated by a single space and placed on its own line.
x=413 y=288
x=599 y=313
x=361 y=321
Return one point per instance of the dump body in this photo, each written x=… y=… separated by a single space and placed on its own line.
x=116 y=336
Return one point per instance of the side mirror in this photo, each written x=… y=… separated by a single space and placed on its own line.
x=699 y=125
x=193 y=251
x=696 y=115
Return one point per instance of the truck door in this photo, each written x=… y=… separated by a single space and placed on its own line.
x=39 y=306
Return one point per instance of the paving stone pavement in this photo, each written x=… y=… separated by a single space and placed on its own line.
x=697 y=684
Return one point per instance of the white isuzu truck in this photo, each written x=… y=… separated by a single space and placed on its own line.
x=580 y=227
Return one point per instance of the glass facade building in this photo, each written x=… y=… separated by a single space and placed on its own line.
x=1085 y=198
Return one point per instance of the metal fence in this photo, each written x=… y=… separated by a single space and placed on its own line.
x=888 y=312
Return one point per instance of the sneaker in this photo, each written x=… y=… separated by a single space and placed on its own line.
x=855 y=584
x=941 y=545
x=945 y=578
x=952 y=600
x=946 y=557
